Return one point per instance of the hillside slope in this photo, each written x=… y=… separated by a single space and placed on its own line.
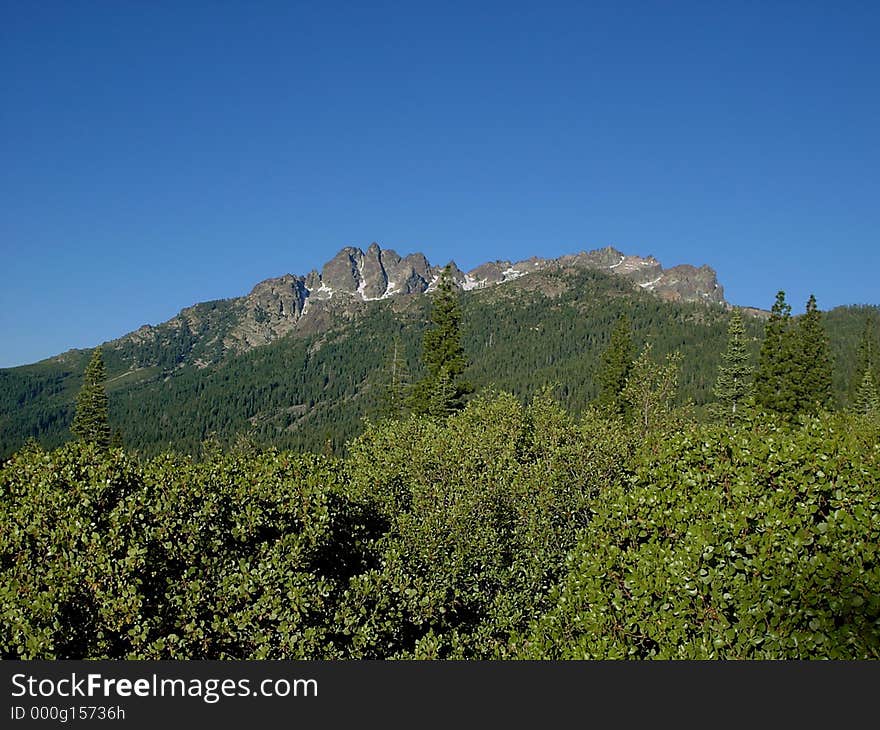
x=306 y=388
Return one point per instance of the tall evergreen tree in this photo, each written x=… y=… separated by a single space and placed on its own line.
x=810 y=371
x=772 y=379
x=867 y=398
x=443 y=390
x=617 y=362
x=734 y=386
x=91 y=422
x=866 y=359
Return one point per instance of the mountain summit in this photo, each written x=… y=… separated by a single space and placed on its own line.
x=304 y=358
x=380 y=273
x=306 y=303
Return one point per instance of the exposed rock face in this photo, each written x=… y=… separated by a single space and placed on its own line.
x=374 y=274
x=407 y=275
x=484 y=275
x=688 y=283
x=373 y=282
x=272 y=308
x=284 y=297
x=342 y=273
x=278 y=306
x=680 y=283
x=312 y=280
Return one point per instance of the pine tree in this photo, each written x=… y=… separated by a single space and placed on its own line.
x=733 y=387
x=866 y=359
x=867 y=398
x=443 y=390
x=810 y=371
x=772 y=378
x=617 y=362
x=91 y=421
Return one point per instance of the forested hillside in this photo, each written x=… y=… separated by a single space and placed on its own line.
x=303 y=391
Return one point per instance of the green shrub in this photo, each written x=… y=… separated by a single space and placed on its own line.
x=758 y=543
x=504 y=531
x=482 y=509
x=236 y=557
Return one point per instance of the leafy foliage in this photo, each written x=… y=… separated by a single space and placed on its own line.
x=761 y=543
x=239 y=556
x=504 y=531
x=481 y=510
x=650 y=389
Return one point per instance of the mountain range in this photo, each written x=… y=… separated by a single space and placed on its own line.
x=301 y=359
x=309 y=303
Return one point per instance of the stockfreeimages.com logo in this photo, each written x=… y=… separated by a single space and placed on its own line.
x=209 y=690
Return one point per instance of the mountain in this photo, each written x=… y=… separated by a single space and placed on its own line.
x=206 y=333
x=300 y=360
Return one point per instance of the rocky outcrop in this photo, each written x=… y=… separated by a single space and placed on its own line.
x=689 y=284
x=683 y=283
x=342 y=273
x=372 y=274
x=273 y=308
x=379 y=273
x=373 y=278
x=282 y=298
x=308 y=303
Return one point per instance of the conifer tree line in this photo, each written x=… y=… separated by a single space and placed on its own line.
x=617 y=362
x=794 y=367
x=792 y=375
x=443 y=390
x=733 y=387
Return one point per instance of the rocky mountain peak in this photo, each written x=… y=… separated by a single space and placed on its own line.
x=280 y=305
x=377 y=273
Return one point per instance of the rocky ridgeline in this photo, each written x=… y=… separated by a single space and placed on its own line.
x=280 y=305
x=381 y=273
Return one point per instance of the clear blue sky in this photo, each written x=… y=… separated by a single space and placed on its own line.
x=156 y=154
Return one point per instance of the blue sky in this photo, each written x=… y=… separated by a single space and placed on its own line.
x=156 y=154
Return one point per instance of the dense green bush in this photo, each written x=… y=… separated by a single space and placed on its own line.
x=62 y=561
x=237 y=556
x=504 y=531
x=482 y=509
x=759 y=543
